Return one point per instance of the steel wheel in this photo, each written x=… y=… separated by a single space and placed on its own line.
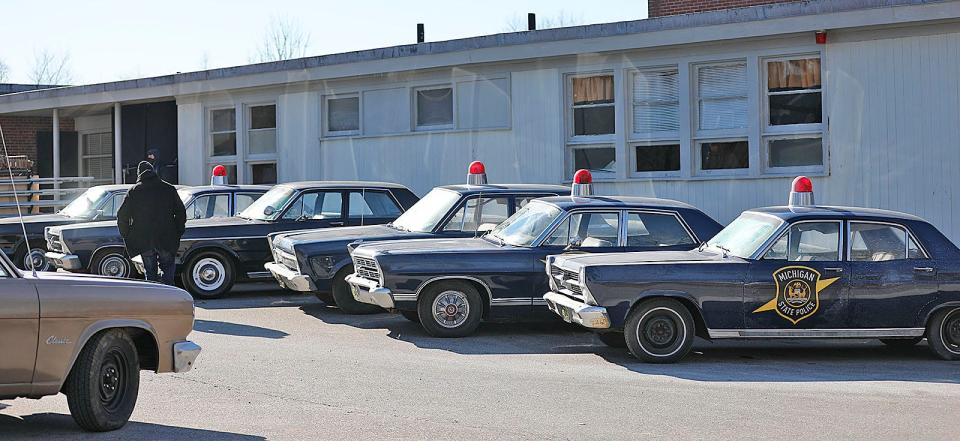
x=114 y=265
x=660 y=331
x=36 y=256
x=113 y=380
x=451 y=309
x=951 y=331
x=208 y=274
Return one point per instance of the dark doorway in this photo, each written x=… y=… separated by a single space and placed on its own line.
x=146 y=127
x=68 y=154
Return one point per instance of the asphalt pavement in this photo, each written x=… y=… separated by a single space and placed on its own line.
x=281 y=366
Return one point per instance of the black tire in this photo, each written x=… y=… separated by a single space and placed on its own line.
x=37 y=251
x=111 y=263
x=208 y=275
x=900 y=343
x=103 y=385
x=343 y=297
x=943 y=334
x=325 y=297
x=413 y=316
x=458 y=302
x=613 y=339
x=660 y=331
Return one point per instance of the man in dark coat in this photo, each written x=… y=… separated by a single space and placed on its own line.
x=152 y=220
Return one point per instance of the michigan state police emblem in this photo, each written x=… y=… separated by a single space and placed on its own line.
x=798 y=293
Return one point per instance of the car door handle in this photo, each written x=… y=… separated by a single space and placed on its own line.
x=336 y=224
x=923 y=269
x=834 y=269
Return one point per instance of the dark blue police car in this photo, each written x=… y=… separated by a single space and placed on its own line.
x=318 y=260
x=451 y=285
x=797 y=271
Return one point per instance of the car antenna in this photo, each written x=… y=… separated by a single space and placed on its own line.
x=16 y=200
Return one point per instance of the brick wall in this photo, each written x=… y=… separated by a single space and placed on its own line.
x=20 y=132
x=660 y=8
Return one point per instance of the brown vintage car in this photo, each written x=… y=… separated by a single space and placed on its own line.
x=89 y=337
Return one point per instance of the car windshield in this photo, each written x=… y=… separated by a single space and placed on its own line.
x=85 y=205
x=427 y=212
x=745 y=234
x=270 y=205
x=526 y=225
x=185 y=195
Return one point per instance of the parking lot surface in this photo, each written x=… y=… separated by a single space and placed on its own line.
x=281 y=366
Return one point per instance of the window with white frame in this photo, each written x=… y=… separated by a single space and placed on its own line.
x=261 y=147
x=251 y=158
x=434 y=108
x=793 y=128
x=592 y=124
x=656 y=120
x=343 y=115
x=96 y=157
x=722 y=118
x=223 y=132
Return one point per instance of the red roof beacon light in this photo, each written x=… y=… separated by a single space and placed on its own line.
x=477 y=174
x=801 y=192
x=821 y=37
x=582 y=181
x=219 y=176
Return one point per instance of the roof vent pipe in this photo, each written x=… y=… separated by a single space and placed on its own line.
x=531 y=21
x=420 y=34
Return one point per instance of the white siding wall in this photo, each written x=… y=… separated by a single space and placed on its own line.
x=191 y=144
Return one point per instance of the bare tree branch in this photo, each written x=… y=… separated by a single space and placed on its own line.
x=50 y=68
x=4 y=71
x=561 y=19
x=284 y=39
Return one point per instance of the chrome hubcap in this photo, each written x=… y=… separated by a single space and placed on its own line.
x=114 y=266
x=36 y=258
x=451 y=309
x=208 y=274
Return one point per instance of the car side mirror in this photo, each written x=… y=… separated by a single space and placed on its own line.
x=575 y=243
x=268 y=210
x=98 y=215
x=486 y=228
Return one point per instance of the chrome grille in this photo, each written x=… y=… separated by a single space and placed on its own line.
x=53 y=242
x=367 y=268
x=568 y=281
x=286 y=259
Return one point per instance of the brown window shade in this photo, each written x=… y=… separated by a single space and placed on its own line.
x=593 y=90
x=793 y=74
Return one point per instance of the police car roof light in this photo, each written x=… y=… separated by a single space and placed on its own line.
x=219 y=175
x=477 y=174
x=582 y=181
x=801 y=192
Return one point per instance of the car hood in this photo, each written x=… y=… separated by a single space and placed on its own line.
x=338 y=237
x=36 y=220
x=85 y=225
x=577 y=261
x=429 y=246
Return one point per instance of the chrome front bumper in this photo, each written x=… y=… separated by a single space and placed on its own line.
x=288 y=278
x=572 y=311
x=367 y=291
x=184 y=355
x=68 y=262
x=138 y=264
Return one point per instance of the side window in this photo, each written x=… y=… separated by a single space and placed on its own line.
x=871 y=242
x=214 y=205
x=243 y=200
x=372 y=204
x=807 y=242
x=591 y=230
x=656 y=230
x=477 y=212
x=111 y=206
x=317 y=205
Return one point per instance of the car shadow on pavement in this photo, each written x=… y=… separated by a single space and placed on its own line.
x=60 y=426
x=797 y=361
x=236 y=329
x=248 y=299
x=550 y=337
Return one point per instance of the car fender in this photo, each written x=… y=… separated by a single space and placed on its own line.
x=485 y=291
x=103 y=325
x=201 y=246
x=623 y=311
x=934 y=308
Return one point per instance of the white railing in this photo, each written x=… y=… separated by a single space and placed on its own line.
x=40 y=195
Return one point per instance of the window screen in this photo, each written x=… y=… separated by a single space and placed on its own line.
x=722 y=96
x=343 y=114
x=656 y=101
x=435 y=107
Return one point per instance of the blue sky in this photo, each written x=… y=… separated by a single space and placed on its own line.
x=108 y=39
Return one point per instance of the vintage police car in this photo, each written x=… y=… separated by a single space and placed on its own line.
x=97 y=203
x=214 y=253
x=450 y=285
x=778 y=272
x=317 y=261
x=97 y=247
